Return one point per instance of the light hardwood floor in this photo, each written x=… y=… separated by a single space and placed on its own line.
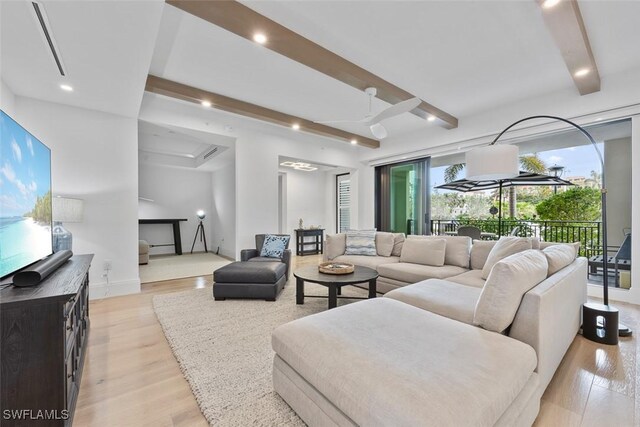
x=132 y=379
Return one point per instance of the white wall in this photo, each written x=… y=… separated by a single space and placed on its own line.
x=7 y=99
x=94 y=158
x=306 y=199
x=176 y=193
x=223 y=211
x=617 y=160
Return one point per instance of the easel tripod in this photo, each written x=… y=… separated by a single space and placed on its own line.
x=203 y=237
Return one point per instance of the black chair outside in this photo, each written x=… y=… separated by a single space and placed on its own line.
x=253 y=255
x=468 y=230
x=621 y=260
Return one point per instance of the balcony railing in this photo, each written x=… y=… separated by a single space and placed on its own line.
x=586 y=232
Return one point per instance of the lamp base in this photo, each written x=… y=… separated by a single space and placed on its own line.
x=62 y=238
x=600 y=323
x=624 y=330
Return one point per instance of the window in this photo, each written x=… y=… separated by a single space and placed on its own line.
x=343 y=202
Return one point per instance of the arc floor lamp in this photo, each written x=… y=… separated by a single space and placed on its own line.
x=600 y=321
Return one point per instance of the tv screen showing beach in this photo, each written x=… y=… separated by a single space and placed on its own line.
x=25 y=197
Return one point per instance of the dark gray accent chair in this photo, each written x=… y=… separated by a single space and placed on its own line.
x=253 y=255
x=470 y=231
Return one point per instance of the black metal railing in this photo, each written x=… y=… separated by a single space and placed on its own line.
x=585 y=232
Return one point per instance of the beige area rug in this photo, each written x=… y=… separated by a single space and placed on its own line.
x=224 y=350
x=169 y=267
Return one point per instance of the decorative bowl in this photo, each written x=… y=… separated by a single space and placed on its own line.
x=336 y=268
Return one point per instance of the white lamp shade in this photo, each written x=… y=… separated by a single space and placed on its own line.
x=67 y=210
x=492 y=162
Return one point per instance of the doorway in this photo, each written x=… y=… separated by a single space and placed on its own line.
x=402 y=197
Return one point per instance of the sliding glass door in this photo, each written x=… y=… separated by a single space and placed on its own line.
x=402 y=202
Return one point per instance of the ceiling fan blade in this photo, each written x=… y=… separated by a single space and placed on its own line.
x=397 y=109
x=378 y=131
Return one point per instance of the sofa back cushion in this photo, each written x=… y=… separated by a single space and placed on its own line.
x=509 y=280
x=361 y=242
x=384 y=243
x=398 y=241
x=457 y=251
x=336 y=245
x=575 y=245
x=558 y=257
x=424 y=251
x=480 y=252
x=505 y=247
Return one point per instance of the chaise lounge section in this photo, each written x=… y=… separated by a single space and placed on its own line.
x=411 y=357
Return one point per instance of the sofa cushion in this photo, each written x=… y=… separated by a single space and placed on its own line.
x=413 y=273
x=575 y=245
x=469 y=278
x=398 y=241
x=558 y=257
x=367 y=261
x=480 y=252
x=403 y=372
x=509 y=280
x=445 y=298
x=384 y=243
x=336 y=245
x=457 y=251
x=506 y=246
x=361 y=242
x=424 y=251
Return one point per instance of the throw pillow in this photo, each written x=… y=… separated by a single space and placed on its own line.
x=274 y=246
x=558 y=257
x=424 y=251
x=384 y=243
x=336 y=245
x=398 y=241
x=510 y=279
x=361 y=242
x=506 y=246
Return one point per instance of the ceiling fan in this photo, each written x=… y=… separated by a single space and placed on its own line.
x=373 y=121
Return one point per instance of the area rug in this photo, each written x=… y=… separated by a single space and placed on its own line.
x=224 y=350
x=169 y=267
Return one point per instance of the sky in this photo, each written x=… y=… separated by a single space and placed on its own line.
x=25 y=168
x=578 y=161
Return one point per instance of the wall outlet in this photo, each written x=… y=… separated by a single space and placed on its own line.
x=106 y=265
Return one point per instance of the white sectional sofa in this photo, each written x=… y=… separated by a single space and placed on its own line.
x=429 y=354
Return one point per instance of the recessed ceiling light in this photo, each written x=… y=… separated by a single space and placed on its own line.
x=295 y=126
x=259 y=38
x=548 y=4
x=66 y=88
x=354 y=141
x=206 y=103
x=431 y=118
x=581 y=72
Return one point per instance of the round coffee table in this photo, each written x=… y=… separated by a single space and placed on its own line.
x=334 y=282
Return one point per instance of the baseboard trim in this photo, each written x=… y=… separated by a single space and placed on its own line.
x=104 y=290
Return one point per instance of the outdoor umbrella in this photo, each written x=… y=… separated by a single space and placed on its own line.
x=524 y=179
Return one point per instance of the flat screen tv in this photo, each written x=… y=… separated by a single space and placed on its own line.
x=25 y=198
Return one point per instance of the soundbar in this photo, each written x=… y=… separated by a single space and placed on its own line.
x=37 y=272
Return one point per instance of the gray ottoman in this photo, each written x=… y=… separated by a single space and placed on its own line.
x=257 y=280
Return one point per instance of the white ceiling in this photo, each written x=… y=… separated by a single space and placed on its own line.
x=179 y=147
x=464 y=57
x=106 y=48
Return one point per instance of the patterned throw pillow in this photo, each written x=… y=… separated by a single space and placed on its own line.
x=361 y=242
x=274 y=246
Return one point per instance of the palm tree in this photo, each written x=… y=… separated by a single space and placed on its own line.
x=530 y=163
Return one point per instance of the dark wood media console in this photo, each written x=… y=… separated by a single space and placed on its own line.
x=44 y=331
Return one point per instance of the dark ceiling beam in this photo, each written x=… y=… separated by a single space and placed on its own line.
x=191 y=94
x=564 y=21
x=245 y=22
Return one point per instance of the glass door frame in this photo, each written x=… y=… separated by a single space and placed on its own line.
x=383 y=194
